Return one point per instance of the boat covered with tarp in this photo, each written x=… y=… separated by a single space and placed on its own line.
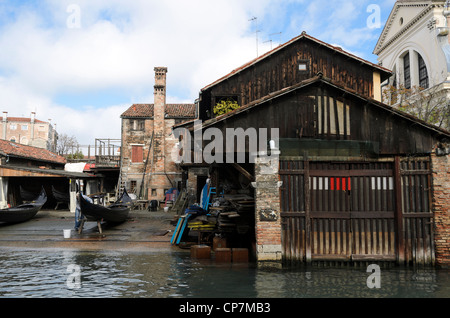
x=23 y=212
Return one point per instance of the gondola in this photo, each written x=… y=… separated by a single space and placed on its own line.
x=23 y=212
x=61 y=196
x=28 y=195
x=115 y=213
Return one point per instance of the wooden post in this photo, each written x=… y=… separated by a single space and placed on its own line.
x=307 y=208
x=399 y=212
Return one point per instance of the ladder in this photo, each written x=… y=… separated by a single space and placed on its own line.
x=207 y=203
x=141 y=195
x=122 y=181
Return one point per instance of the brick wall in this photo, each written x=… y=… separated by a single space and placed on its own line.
x=267 y=202
x=441 y=208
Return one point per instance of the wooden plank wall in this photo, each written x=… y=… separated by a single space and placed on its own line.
x=417 y=214
x=347 y=212
x=324 y=113
x=281 y=70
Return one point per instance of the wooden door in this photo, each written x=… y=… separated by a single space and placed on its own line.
x=357 y=211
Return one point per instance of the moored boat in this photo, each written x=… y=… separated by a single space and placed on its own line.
x=23 y=212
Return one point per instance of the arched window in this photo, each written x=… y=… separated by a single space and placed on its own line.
x=423 y=73
x=407 y=71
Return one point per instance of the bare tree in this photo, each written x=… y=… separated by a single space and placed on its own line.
x=66 y=144
x=431 y=104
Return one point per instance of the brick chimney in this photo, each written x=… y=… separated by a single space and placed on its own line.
x=158 y=117
x=160 y=94
x=4 y=120
x=32 y=121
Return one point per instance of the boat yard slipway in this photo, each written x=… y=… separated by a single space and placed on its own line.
x=142 y=231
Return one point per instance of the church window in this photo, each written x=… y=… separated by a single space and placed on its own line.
x=407 y=71
x=423 y=73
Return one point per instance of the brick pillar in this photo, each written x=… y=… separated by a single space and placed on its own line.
x=267 y=207
x=441 y=207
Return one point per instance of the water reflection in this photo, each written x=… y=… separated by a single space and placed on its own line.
x=165 y=275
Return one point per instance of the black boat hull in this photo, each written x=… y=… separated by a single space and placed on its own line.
x=61 y=196
x=23 y=212
x=115 y=213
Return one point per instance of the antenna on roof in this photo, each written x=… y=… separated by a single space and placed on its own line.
x=256 y=32
x=270 y=40
x=279 y=33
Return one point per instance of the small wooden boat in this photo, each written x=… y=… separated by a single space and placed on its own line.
x=23 y=212
x=115 y=213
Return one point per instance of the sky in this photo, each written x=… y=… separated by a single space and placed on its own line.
x=81 y=63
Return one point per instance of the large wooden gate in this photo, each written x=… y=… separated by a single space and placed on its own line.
x=356 y=211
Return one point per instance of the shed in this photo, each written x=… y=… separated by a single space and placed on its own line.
x=349 y=178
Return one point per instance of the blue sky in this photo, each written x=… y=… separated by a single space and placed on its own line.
x=81 y=63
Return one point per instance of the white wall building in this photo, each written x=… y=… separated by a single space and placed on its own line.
x=414 y=44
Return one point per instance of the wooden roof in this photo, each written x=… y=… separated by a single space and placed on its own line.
x=302 y=36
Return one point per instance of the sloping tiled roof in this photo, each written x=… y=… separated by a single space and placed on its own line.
x=13 y=149
x=171 y=111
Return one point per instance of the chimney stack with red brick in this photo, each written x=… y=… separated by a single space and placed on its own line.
x=4 y=119
x=159 y=115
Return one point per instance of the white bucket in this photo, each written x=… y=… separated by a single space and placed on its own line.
x=166 y=209
x=66 y=233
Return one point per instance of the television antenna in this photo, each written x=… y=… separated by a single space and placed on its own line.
x=255 y=19
x=270 y=39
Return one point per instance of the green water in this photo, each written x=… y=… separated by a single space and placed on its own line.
x=67 y=274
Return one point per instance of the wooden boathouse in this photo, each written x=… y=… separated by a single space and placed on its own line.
x=350 y=178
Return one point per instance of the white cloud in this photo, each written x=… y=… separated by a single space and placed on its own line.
x=120 y=42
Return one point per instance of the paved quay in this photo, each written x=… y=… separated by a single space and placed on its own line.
x=143 y=231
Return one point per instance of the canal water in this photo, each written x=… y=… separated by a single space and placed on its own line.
x=73 y=274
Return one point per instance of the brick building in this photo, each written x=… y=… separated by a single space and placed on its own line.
x=29 y=131
x=147 y=142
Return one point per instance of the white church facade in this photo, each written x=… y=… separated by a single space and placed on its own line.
x=415 y=45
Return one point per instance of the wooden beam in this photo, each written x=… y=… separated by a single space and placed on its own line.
x=307 y=202
x=399 y=211
x=244 y=172
x=7 y=172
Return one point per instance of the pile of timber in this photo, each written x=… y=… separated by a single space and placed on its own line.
x=236 y=215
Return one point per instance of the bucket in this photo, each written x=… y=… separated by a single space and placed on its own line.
x=66 y=233
x=166 y=209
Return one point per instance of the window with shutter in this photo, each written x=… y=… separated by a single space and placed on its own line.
x=137 y=154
